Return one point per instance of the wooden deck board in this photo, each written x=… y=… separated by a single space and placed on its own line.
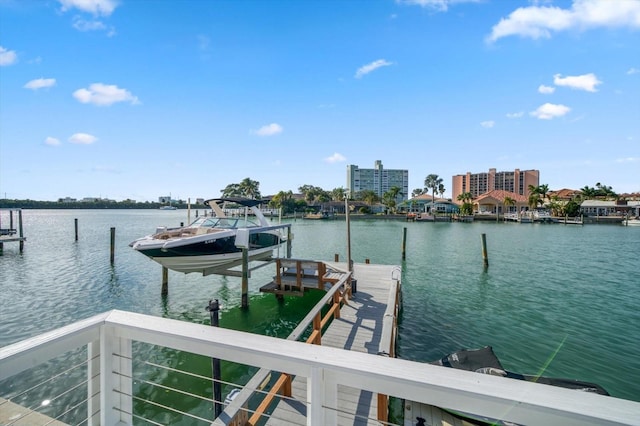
x=359 y=328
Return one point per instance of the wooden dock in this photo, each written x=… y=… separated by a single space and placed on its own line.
x=12 y=233
x=364 y=325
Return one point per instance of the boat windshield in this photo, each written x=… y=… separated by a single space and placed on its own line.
x=222 y=222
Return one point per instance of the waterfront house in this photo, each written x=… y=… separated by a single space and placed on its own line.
x=608 y=207
x=425 y=203
x=492 y=202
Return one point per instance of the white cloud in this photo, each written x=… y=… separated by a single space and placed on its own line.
x=104 y=95
x=335 y=158
x=549 y=111
x=515 y=114
x=437 y=5
x=269 y=130
x=628 y=160
x=51 y=141
x=540 y=21
x=366 y=69
x=546 y=90
x=7 y=57
x=488 y=124
x=633 y=71
x=586 y=82
x=95 y=7
x=82 y=139
x=84 y=25
x=40 y=83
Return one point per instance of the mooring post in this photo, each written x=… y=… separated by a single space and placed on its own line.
x=346 y=211
x=20 y=230
x=404 y=243
x=289 y=235
x=113 y=243
x=245 y=278
x=165 y=281
x=336 y=257
x=214 y=308
x=485 y=257
x=75 y=223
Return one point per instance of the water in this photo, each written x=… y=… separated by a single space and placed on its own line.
x=559 y=300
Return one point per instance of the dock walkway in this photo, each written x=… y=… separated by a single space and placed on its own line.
x=359 y=328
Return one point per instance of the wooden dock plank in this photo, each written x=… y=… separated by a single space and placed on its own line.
x=359 y=328
x=14 y=414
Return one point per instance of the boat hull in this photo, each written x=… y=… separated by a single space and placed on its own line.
x=204 y=253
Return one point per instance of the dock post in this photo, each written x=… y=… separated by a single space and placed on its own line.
x=288 y=240
x=346 y=211
x=214 y=308
x=165 y=281
x=245 y=278
x=485 y=257
x=75 y=225
x=113 y=243
x=404 y=243
x=336 y=257
x=20 y=230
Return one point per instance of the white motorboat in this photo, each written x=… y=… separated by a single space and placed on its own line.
x=214 y=242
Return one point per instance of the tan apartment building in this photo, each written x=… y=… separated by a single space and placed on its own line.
x=517 y=181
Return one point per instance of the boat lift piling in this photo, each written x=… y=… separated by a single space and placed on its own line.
x=9 y=234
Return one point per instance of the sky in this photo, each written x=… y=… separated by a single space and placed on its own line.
x=136 y=99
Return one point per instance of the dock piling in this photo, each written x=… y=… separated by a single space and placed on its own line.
x=113 y=243
x=165 y=281
x=245 y=278
x=214 y=308
x=75 y=222
x=485 y=257
x=404 y=243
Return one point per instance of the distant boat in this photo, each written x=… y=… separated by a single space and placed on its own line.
x=168 y=208
x=632 y=222
x=213 y=242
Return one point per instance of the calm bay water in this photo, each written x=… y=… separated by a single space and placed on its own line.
x=557 y=299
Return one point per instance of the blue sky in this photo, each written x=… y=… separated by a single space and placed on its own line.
x=138 y=99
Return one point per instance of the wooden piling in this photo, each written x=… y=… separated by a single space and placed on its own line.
x=404 y=243
x=20 y=230
x=165 y=281
x=245 y=278
x=485 y=258
x=75 y=222
x=113 y=244
x=336 y=257
x=289 y=238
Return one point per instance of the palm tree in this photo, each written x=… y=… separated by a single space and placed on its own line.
x=250 y=188
x=338 y=194
x=441 y=189
x=432 y=182
x=534 y=196
x=542 y=190
x=508 y=201
x=416 y=192
x=467 y=207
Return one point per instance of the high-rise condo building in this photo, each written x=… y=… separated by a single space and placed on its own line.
x=378 y=180
x=517 y=181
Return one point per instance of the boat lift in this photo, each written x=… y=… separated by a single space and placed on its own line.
x=15 y=231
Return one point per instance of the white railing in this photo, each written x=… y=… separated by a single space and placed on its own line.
x=108 y=338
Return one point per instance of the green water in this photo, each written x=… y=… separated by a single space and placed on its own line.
x=559 y=300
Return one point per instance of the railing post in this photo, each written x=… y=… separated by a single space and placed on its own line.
x=317 y=326
x=116 y=390
x=93 y=383
x=322 y=397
